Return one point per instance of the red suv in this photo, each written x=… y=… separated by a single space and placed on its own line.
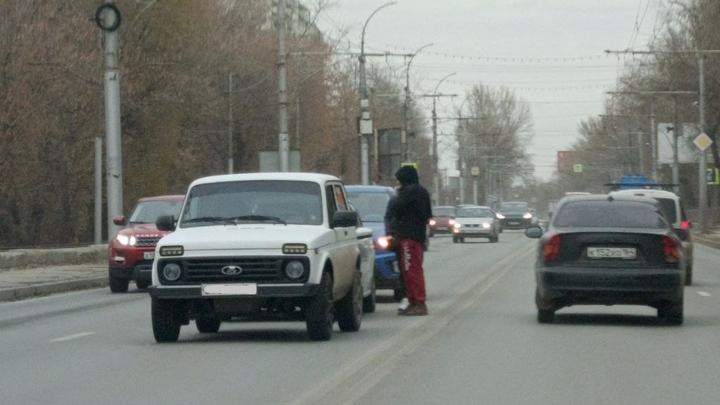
x=443 y=220
x=132 y=250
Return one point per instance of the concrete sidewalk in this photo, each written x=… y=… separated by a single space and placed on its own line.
x=711 y=239
x=21 y=283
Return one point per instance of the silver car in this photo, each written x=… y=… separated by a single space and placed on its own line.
x=475 y=222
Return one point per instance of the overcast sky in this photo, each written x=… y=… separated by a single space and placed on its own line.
x=549 y=51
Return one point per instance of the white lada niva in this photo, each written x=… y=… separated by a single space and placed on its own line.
x=263 y=245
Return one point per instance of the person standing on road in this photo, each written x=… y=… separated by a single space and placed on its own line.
x=409 y=215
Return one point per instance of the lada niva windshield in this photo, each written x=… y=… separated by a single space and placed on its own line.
x=147 y=212
x=257 y=201
x=370 y=205
x=474 y=213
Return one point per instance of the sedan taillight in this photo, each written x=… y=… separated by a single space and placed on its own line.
x=670 y=250
x=551 y=250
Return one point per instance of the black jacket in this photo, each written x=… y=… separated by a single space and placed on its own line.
x=409 y=212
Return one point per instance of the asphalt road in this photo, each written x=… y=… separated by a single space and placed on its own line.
x=481 y=344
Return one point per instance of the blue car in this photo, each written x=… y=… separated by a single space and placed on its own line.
x=371 y=202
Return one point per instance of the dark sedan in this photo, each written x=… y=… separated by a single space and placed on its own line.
x=516 y=215
x=604 y=250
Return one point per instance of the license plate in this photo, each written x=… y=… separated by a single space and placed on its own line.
x=149 y=255
x=514 y=223
x=611 y=253
x=229 y=289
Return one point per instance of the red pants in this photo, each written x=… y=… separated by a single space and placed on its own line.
x=410 y=260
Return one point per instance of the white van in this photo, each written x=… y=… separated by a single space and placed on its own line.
x=675 y=213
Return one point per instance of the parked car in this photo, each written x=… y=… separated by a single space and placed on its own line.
x=476 y=222
x=371 y=203
x=674 y=212
x=132 y=250
x=443 y=220
x=605 y=249
x=516 y=215
x=262 y=245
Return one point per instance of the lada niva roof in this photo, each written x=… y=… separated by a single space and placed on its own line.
x=290 y=176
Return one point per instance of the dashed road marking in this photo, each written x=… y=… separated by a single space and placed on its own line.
x=704 y=294
x=71 y=337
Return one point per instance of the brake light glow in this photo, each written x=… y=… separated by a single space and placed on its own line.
x=670 y=250
x=685 y=225
x=551 y=250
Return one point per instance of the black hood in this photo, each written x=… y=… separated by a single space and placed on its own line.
x=407 y=175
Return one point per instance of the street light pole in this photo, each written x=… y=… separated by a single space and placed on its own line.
x=366 y=129
x=231 y=160
x=283 y=138
x=406 y=104
x=108 y=18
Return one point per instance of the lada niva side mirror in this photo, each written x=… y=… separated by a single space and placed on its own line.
x=165 y=223
x=345 y=219
x=534 y=232
x=119 y=220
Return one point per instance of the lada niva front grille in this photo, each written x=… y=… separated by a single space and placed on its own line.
x=236 y=269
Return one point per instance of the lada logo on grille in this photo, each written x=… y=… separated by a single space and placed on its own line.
x=231 y=270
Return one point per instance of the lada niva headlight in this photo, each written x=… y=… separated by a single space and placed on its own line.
x=172 y=271
x=294 y=269
x=172 y=251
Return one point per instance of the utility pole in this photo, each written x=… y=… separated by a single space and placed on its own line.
x=404 y=135
x=702 y=165
x=653 y=140
x=230 y=126
x=677 y=133
x=98 y=191
x=366 y=127
x=435 y=169
x=283 y=141
x=108 y=18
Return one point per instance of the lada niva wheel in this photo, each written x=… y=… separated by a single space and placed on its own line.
x=370 y=301
x=208 y=325
x=319 y=312
x=349 y=308
x=672 y=312
x=166 y=320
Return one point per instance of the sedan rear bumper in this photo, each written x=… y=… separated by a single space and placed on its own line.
x=610 y=286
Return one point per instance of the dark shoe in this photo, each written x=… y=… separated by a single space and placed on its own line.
x=415 y=310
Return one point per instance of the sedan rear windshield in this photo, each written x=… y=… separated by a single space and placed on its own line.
x=668 y=208
x=608 y=214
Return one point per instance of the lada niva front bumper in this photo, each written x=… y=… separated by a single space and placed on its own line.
x=262 y=291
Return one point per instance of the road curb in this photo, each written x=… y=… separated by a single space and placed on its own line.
x=14 y=294
x=706 y=241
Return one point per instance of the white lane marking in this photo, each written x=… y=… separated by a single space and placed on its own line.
x=704 y=294
x=71 y=337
